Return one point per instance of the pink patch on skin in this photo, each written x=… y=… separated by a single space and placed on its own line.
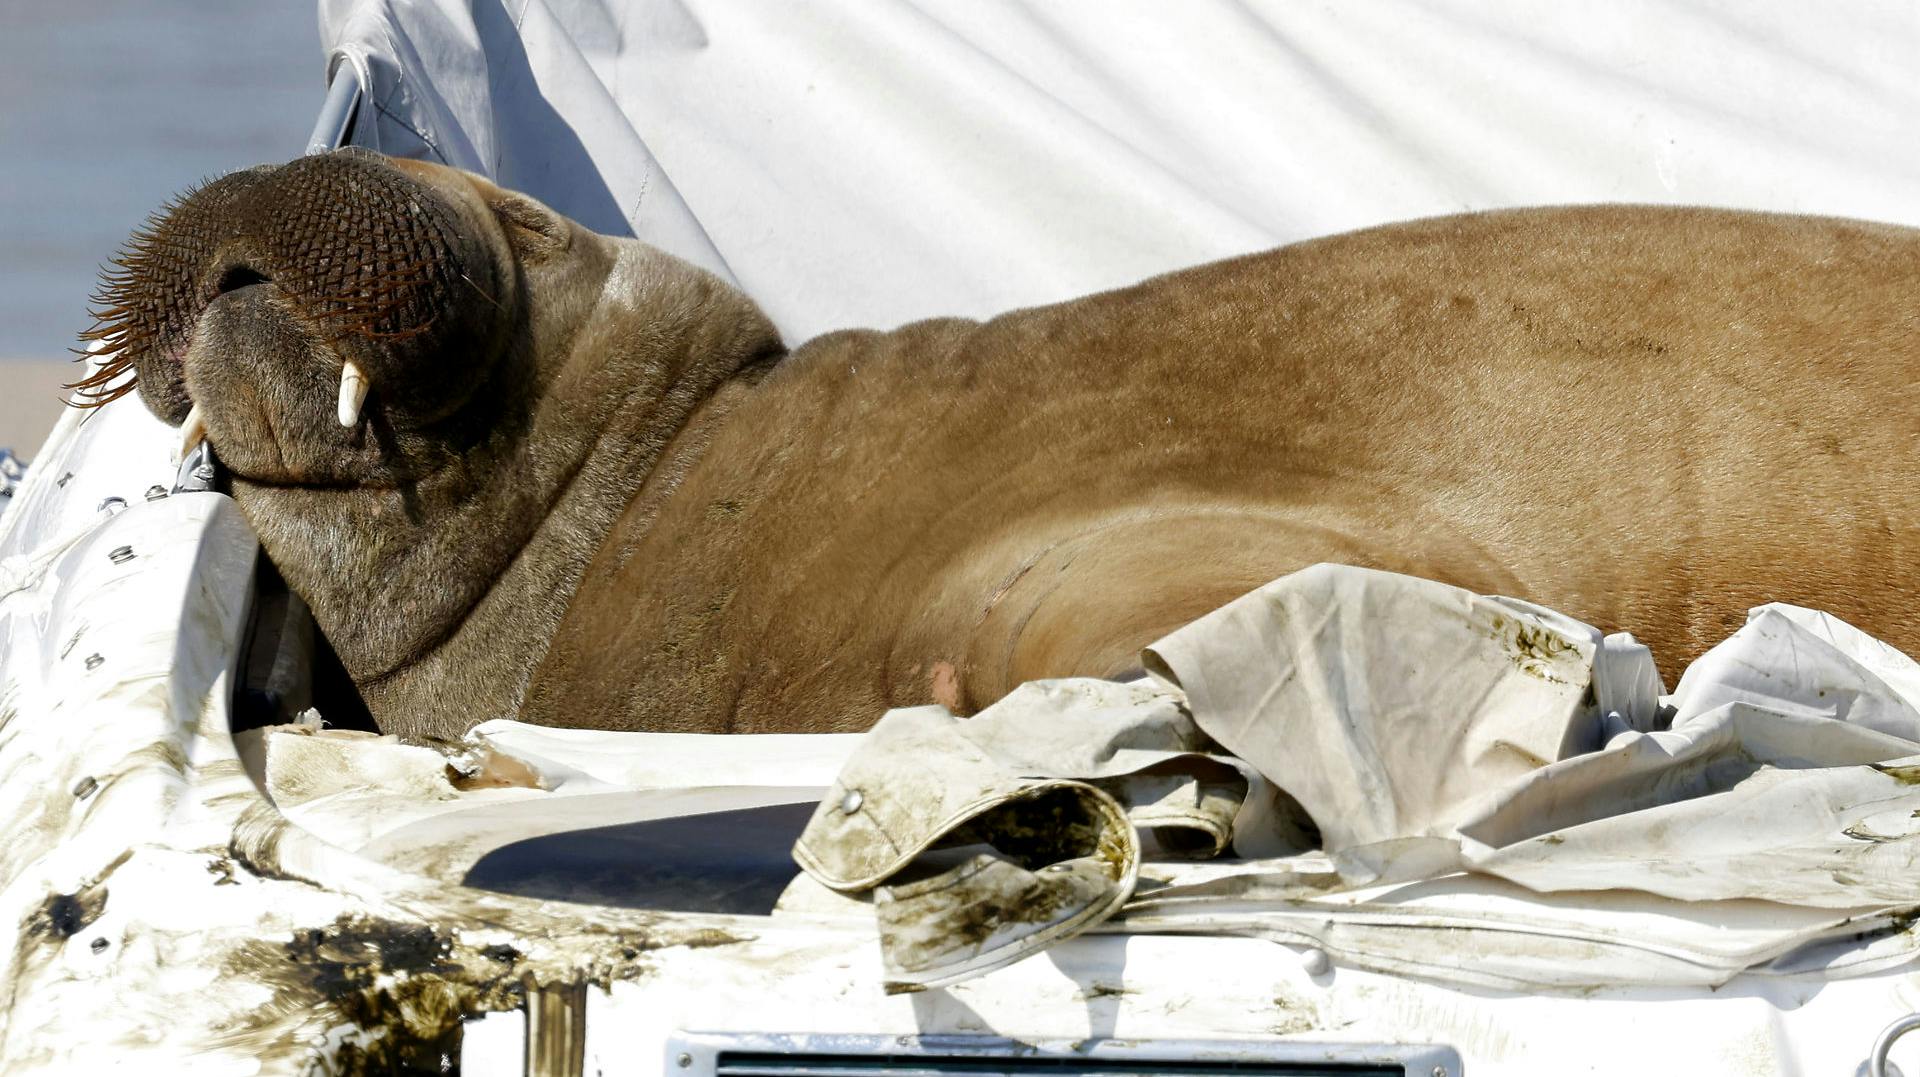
x=946 y=685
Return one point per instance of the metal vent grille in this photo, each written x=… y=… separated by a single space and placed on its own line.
x=761 y=1064
x=698 y=1054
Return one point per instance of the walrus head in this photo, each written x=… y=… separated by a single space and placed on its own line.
x=279 y=307
x=432 y=397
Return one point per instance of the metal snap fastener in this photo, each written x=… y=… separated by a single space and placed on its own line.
x=156 y=492
x=84 y=787
x=94 y=660
x=852 y=801
x=120 y=555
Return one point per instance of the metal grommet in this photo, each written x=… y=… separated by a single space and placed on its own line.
x=99 y=946
x=156 y=492
x=1877 y=1061
x=684 y=1061
x=852 y=801
x=112 y=506
x=120 y=555
x=94 y=660
x=84 y=788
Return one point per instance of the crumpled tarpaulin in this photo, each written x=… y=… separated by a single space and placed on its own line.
x=1373 y=746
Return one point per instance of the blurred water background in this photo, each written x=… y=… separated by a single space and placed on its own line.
x=108 y=107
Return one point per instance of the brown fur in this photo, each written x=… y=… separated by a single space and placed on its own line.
x=1649 y=418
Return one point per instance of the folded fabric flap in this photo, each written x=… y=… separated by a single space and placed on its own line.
x=1478 y=931
x=1271 y=822
x=1397 y=860
x=1709 y=754
x=1136 y=741
x=1187 y=804
x=1278 y=881
x=1787 y=658
x=1009 y=880
x=1865 y=944
x=1626 y=688
x=1085 y=727
x=1833 y=837
x=989 y=911
x=1545 y=956
x=1383 y=703
x=921 y=773
x=908 y=783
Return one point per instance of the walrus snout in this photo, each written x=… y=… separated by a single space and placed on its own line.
x=281 y=304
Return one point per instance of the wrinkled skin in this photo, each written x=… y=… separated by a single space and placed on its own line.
x=590 y=487
x=511 y=420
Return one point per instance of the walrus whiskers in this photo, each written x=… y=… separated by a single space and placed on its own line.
x=385 y=273
x=483 y=293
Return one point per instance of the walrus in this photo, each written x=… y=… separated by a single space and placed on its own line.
x=521 y=469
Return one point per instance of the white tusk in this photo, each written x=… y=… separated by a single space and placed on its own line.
x=193 y=431
x=353 y=393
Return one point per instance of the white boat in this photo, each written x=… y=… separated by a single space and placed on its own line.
x=860 y=164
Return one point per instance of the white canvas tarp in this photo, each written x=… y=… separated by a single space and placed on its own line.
x=1421 y=733
x=869 y=163
x=1408 y=777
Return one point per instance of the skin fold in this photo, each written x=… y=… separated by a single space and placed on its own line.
x=591 y=487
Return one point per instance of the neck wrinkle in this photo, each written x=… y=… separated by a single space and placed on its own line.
x=665 y=435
